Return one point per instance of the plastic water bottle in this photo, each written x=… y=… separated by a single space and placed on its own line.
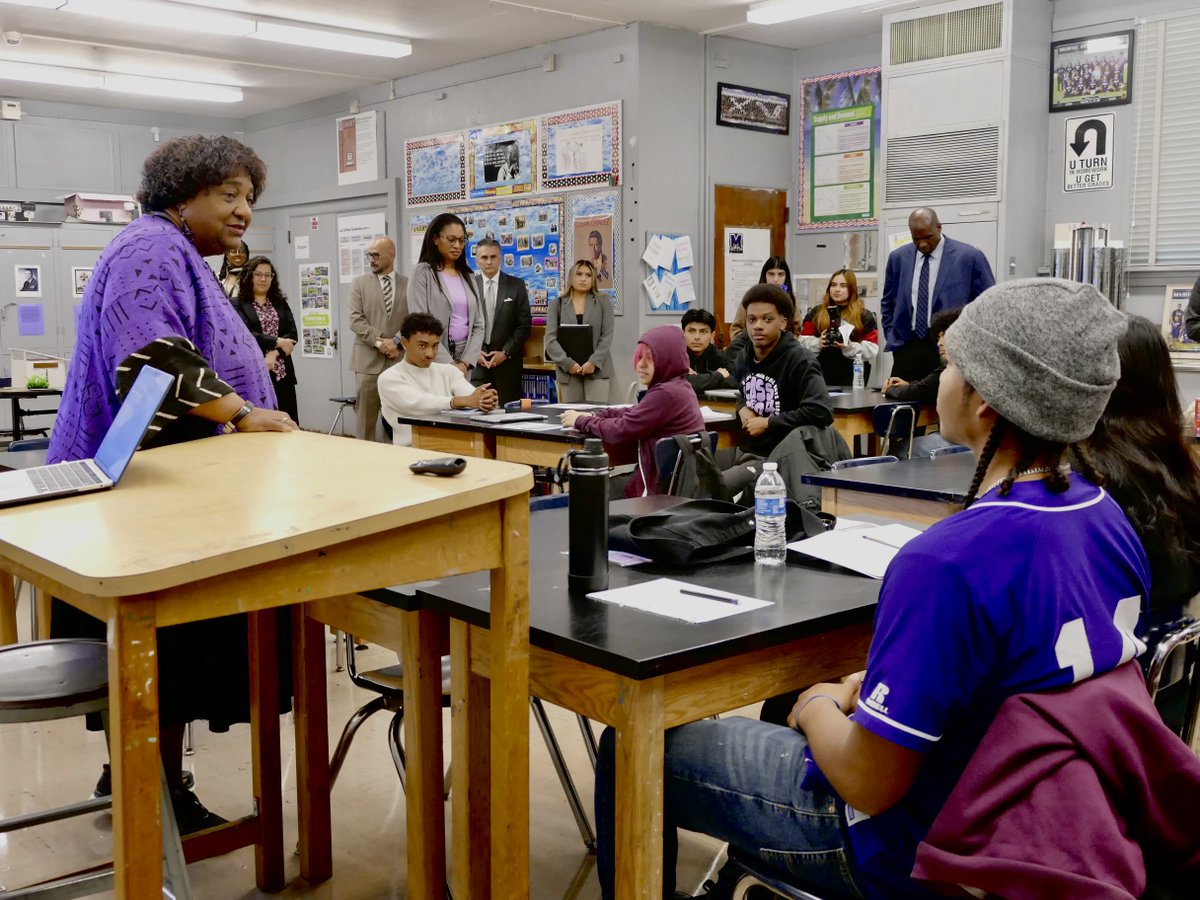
x=858 y=383
x=770 y=517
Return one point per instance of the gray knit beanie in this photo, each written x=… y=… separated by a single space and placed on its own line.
x=1042 y=352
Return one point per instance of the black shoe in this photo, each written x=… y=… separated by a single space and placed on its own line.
x=104 y=784
x=191 y=815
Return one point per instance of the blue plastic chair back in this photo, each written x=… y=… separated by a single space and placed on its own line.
x=862 y=461
x=42 y=443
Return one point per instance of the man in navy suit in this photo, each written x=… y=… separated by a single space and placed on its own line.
x=930 y=274
x=507 y=323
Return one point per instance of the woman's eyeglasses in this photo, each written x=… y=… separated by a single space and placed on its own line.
x=453 y=241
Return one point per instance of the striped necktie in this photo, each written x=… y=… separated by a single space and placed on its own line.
x=921 y=325
x=387 y=293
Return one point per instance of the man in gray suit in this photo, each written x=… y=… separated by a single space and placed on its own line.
x=378 y=304
x=506 y=325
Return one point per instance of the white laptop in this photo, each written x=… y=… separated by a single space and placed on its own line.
x=126 y=432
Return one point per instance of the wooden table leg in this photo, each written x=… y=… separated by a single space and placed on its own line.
x=8 y=610
x=43 y=600
x=509 y=637
x=133 y=749
x=470 y=761
x=424 y=636
x=264 y=749
x=639 y=825
x=312 y=747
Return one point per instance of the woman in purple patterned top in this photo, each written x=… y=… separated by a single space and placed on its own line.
x=152 y=299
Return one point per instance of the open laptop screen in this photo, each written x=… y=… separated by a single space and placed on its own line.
x=132 y=420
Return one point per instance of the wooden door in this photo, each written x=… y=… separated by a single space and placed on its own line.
x=741 y=207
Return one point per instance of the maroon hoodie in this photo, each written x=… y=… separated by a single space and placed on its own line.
x=668 y=408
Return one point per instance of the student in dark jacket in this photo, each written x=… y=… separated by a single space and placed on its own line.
x=708 y=368
x=667 y=408
x=925 y=390
x=781 y=382
x=264 y=308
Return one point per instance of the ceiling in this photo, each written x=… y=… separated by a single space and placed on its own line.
x=442 y=32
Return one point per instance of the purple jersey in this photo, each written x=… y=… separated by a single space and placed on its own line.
x=1028 y=592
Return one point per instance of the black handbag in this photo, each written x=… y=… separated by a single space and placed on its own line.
x=703 y=531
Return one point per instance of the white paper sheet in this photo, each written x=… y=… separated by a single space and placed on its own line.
x=867 y=550
x=653 y=252
x=684 y=289
x=713 y=415
x=650 y=283
x=666 y=286
x=663 y=597
x=846 y=329
x=576 y=405
x=666 y=253
x=529 y=426
x=722 y=393
x=683 y=252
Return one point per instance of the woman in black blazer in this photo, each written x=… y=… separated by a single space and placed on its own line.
x=264 y=309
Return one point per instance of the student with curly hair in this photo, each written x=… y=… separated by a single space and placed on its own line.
x=264 y=308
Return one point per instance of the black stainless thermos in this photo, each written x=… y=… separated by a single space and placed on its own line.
x=587 y=567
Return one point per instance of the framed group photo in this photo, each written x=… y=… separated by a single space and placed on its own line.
x=1091 y=72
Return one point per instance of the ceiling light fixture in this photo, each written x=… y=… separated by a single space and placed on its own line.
x=773 y=12
x=187 y=17
x=35 y=73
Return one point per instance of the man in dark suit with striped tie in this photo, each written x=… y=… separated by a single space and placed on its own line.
x=506 y=324
x=377 y=306
x=923 y=278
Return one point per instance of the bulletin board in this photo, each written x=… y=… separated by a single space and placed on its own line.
x=502 y=159
x=593 y=213
x=435 y=169
x=581 y=148
x=668 y=286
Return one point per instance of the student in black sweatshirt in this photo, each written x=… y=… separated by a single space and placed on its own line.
x=781 y=383
x=708 y=368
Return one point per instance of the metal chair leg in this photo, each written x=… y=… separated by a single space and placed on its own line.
x=589 y=738
x=189 y=748
x=564 y=775
x=175 y=876
x=338 y=658
x=343 y=744
x=396 y=748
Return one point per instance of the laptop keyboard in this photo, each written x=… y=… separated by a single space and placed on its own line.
x=61 y=477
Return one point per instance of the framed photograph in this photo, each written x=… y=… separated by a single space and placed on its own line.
x=1175 y=302
x=1091 y=72
x=501 y=160
x=753 y=109
x=28 y=280
x=79 y=280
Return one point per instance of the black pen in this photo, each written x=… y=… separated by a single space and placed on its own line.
x=734 y=600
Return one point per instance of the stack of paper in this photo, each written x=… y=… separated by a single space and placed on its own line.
x=680 y=600
x=864 y=548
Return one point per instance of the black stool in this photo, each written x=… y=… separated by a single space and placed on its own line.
x=344 y=402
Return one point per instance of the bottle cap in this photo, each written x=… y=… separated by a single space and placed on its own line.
x=770 y=466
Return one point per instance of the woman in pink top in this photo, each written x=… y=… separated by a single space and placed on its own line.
x=443 y=286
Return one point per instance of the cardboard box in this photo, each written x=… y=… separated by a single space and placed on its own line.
x=108 y=209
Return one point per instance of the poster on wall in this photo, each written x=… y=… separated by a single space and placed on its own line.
x=595 y=236
x=1088 y=158
x=753 y=109
x=435 y=169
x=839 y=143
x=1182 y=348
x=1091 y=72
x=316 y=311
x=28 y=280
x=581 y=148
x=358 y=148
x=745 y=250
x=669 y=287
x=354 y=236
x=79 y=280
x=501 y=159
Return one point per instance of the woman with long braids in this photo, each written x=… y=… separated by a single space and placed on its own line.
x=1039 y=583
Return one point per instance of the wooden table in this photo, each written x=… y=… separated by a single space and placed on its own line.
x=852 y=411
x=459 y=436
x=248 y=523
x=16 y=395
x=638 y=672
x=922 y=491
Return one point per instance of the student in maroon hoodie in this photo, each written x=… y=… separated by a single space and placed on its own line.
x=667 y=408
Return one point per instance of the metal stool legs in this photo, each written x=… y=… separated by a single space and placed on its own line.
x=564 y=775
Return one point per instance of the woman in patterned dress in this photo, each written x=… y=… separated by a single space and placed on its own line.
x=264 y=309
x=152 y=299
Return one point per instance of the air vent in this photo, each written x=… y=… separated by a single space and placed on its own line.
x=947 y=34
x=931 y=168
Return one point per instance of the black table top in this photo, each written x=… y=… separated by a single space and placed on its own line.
x=844 y=400
x=945 y=479
x=809 y=597
x=24 y=393
x=553 y=415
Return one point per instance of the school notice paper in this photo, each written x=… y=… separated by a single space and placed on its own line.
x=858 y=546
x=680 y=600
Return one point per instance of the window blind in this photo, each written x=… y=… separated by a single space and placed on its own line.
x=1165 y=231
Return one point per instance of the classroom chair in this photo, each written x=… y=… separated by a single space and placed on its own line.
x=668 y=453
x=60 y=679
x=1184 y=640
x=938 y=452
x=757 y=874
x=42 y=443
x=888 y=422
x=342 y=402
x=861 y=461
x=388 y=683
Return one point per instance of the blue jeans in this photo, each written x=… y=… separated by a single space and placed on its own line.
x=738 y=780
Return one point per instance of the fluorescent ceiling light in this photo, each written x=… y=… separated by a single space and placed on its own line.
x=35 y=74
x=394 y=48
x=169 y=87
x=775 y=11
x=189 y=17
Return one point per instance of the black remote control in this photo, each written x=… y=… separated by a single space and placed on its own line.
x=442 y=465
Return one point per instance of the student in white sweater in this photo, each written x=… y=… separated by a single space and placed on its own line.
x=418 y=386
